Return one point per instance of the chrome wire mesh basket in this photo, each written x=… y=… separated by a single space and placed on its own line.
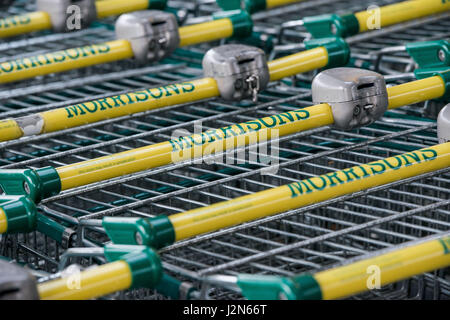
x=308 y=239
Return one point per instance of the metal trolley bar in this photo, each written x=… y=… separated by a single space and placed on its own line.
x=311 y=239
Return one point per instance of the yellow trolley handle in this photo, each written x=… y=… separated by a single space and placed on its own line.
x=64 y=60
x=97 y=110
x=253 y=6
x=400 y=12
x=42 y=20
x=16 y=25
x=231 y=24
x=351 y=279
x=49 y=181
x=103 y=280
x=213 y=141
x=373 y=18
x=136 y=267
x=308 y=191
x=326 y=55
x=394 y=266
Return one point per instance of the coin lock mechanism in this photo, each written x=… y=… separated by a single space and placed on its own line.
x=16 y=283
x=153 y=34
x=357 y=97
x=240 y=71
x=69 y=15
x=443 y=124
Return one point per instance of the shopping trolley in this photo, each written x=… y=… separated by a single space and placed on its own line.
x=308 y=239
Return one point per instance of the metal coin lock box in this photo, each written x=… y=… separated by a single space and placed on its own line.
x=357 y=97
x=153 y=34
x=240 y=71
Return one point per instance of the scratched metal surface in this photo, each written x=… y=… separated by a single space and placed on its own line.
x=304 y=240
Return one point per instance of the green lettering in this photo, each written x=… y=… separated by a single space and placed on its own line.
x=118 y=98
x=225 y=129
x=382 y=167
x=301 y=114
x=104 y=103
x=154 y=95
x=141 y=96
x=212 y=134
x=316 y=187
x=103 y=48
x=74 y=109
x=349 y=172
x=395 y=167
x=332 y=176
x=76 y=56
x=287 y=115
x=87 y=108
x=429 y=157
x=172 y=87
x=179 y=144
x=257 y=123
x=61 y=58
x=187 y=87
x=366 y=174
x=7 y=70
x=274 y=123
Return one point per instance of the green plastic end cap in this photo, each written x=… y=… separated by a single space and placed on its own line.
x=162 y=232
x=430 y=54
x=156 y=232
x=174 y=288
x=329 y=25
x=50 y=182
x=255 y=287
x=36 y=184
x=241 y=20
x=253 y=6
x=337 y=48
x=260 y=40
x=157 y=4
x=229 y=4
x=146 y=268
x=444 y=73
x=144 y=263
x=21 y=213
x=307 y=287
x=133 y=231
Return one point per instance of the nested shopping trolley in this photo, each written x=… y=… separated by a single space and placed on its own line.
x=306 y=240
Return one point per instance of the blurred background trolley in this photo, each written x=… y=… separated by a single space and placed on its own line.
x=309 y=239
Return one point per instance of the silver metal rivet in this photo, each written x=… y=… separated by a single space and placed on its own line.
x=26 y=187
x=138 y=238
x=441 y=55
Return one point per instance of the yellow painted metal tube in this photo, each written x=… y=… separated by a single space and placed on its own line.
x=298 y=63
x=107 y=8
x=195 y=146
x=16 y=25
x=131 y=103
x=113 y=107
x=401 y=12
x=9 y=130
x=93 y=283
x=204 y=32
x=309 y=191
x=277 y=3
x=3 y=222
x=416 y=91
x=60 y=61
x=394 y=266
